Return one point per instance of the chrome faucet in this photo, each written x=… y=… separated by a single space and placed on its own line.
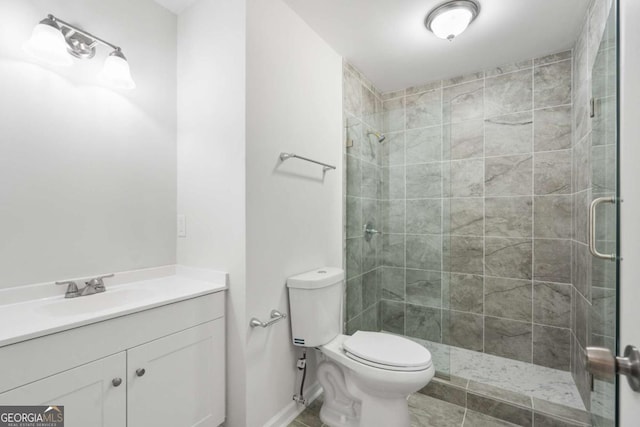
x=72 y=289
x=92 y=286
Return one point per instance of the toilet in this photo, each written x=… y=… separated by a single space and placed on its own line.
x=368 y=376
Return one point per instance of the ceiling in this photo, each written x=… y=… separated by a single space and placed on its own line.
x=387 y=41
x=175 y=6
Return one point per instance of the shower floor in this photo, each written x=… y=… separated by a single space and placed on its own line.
x=473 y=389
x=523 y=378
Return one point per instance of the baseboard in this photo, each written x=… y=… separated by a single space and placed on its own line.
x=293 y=409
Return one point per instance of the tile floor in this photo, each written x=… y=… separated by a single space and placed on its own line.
x=425 y=412
x=519 y=377
x=523 y=393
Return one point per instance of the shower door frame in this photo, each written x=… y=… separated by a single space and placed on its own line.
x=628 y=402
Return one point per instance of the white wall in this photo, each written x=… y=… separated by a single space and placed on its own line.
x=211 y=163
x=87 y=174
x=294 y=217
x=293 y=102
x=90 y=175
x=630 y=193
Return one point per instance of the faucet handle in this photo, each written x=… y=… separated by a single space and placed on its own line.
x=72 y=288
x=97 y=282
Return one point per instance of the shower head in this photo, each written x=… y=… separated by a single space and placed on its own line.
x=380 y=136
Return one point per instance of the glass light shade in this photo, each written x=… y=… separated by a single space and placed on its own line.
x=451 y=23
x=116 y=72
x=48 y=44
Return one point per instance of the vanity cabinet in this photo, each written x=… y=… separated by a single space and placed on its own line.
x=163 y=367
x=86 y=392
x=178 y=380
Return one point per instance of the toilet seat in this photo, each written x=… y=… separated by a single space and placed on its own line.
x=385 y=351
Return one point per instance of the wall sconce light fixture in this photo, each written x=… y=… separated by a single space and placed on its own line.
x=56 y=42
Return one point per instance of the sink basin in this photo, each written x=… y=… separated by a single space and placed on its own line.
x=91 y=303
x=33 y=311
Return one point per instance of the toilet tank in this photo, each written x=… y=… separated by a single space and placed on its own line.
x=315 y=306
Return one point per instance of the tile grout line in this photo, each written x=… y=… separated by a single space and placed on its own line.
x=444 y=276
x=443 y=86
x=484 y=215
x=573 y=212
x=404 y=166
x=533 y=202
x=486 y=118
x=493 y=316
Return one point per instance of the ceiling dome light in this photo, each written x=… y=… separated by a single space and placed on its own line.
x=450 y=19
x=47 y=44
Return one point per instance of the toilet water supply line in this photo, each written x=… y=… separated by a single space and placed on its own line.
x=301 y=364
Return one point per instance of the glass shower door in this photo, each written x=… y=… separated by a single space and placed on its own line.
x=600 y=301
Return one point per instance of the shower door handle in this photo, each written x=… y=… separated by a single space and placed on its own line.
x=601 y=363
x=592 y=228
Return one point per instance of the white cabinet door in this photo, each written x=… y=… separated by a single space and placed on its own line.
x=86 y=392
x=183 y=381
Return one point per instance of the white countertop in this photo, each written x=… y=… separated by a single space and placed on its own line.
x=22 y=319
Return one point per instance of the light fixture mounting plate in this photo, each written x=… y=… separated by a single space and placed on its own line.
x=79 y=45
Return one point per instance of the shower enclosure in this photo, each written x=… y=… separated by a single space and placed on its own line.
x=467 y=226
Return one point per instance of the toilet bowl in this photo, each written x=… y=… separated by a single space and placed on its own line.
x=367 y=378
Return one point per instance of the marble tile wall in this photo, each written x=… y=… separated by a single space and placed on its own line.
x=362 y=112
x=476 y=211
x=594 y=164
x=481 y=192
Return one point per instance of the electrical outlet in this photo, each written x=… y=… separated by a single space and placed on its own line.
x=182 y=226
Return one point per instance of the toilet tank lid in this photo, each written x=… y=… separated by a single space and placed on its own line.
x=316 y=279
